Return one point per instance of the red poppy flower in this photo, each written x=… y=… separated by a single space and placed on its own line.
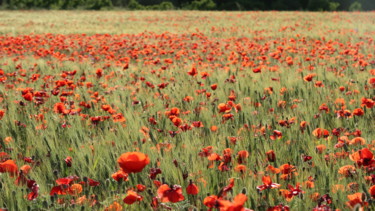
x=372 y=191
x=192 y=189
x=133 y=162
x=75 y=189
x=132 y=197
x=309 y=77
x=2 y=112
x=267 y=184
x=120 y=175
x=363 y=157
x=193 y=71
x=319 y=133
x=31 y=184
x=9 y=166
x=355 y=200
x=210 y=201
x=140 y=187
x=358 y=112
x=90 y=182
x=170 y=193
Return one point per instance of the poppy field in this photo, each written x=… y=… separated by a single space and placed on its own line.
x=184 y=110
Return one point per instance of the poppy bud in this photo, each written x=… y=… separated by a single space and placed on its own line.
x=175 y=162
x=271 y=157
x=244 y=191
x=68 y=160
x=192 y=189
x=185 y=175
x=45 y=204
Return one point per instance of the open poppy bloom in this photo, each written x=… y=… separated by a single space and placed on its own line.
x=287 y=171
x=120 y=175
x=9 y=166
x=64 y=186
x=114 y=207
x=132 y=197
x=241 y=156
x=309 y=77
x=363 y=157
x=372 y=191
x=279 y=207
x=210 y=201
x=75 y=189
x=267 y=184
x=355 y=200
x=214 y=201
x=31 y=184
x=133 y=162
x=347 y=170
x=235 y=205
x=90 y=182
x=276 y=135
x=172 y=194
x=295 y=191
x=319 y=133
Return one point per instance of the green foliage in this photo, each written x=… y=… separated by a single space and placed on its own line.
x=166 y=5
x=355 y=6
x=134 y=5
x=201 y=5
x=318 y=5
x=57 y=4
x=333 y=6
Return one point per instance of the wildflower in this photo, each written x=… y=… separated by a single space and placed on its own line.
x=133 y=162
x=171 y=193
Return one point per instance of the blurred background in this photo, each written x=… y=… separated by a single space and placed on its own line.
x=241 y=5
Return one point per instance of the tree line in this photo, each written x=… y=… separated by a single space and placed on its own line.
x=304 y=5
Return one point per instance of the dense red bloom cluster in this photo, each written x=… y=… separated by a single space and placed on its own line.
x=192 y=113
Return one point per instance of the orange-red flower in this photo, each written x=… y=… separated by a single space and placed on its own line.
x=358 y=112
x=2 y=112
x=356 y=199
x=133 y=162
x=9 y=166
x=75 y=189
x=192 y=189
x=319 y=133
x=287 y=171
x=309 y=77
x=171 y=193
x=267 y=184
x=132 y=197
x=347 y=170
x=363 y=157
x=114 y=207
x=120 y=175
x=372 y=191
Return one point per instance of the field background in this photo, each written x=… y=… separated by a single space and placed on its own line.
x=236 y=24
x=338 y=47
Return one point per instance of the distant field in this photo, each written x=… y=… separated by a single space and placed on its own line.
x=226 y=24
x=182 y=110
